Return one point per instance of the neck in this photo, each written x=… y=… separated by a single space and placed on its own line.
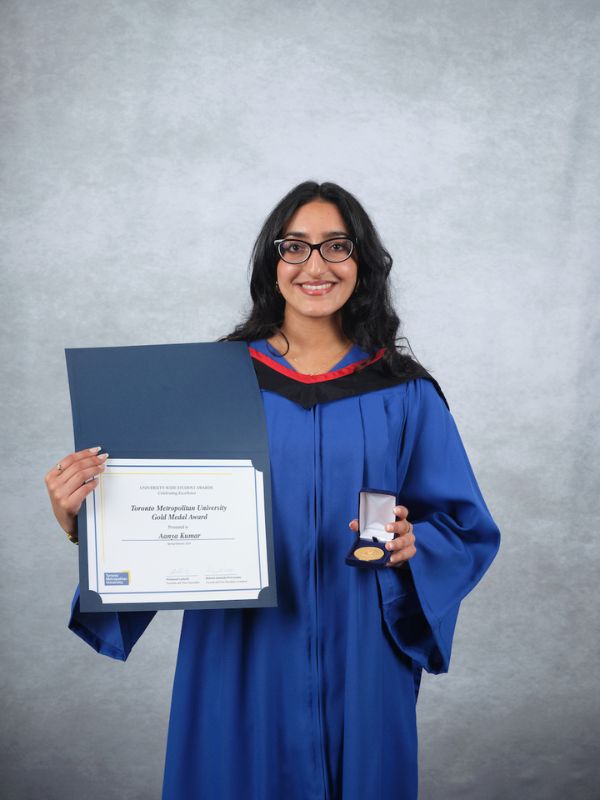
x=310 y=334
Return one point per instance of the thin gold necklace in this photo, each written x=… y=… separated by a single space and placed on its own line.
x=337 y=356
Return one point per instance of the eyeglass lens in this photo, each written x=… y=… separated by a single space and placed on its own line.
x=295 y=251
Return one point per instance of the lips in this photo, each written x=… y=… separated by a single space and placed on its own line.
x=316 y=288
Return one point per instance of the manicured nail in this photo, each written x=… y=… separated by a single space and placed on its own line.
x=388 y=546
x=95 y=449
x=103 y=455
x=389 y=527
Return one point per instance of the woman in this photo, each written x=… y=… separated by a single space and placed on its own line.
x=316 y=698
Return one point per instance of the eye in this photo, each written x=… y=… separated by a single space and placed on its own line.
x=291 y=246
x=338 y=249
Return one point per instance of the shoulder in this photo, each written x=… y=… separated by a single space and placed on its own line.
x=425 y=390
x=402 y=368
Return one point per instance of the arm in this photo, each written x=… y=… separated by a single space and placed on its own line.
x=456 y=537
x=69 y=482
x=111 y=633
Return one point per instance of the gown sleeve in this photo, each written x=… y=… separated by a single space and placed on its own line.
x=111 y=633
x=456 y=537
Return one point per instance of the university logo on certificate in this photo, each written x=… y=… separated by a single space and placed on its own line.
x=181 y=516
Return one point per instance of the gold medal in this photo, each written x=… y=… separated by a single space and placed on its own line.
x=369 y=553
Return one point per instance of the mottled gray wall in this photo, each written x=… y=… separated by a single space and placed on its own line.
x=144 y=143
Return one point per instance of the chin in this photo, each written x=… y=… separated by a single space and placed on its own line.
x=316 y=309
x=317 y=306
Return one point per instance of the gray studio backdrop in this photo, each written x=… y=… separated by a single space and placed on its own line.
x=144 y=143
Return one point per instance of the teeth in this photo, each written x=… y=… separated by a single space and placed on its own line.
x=317 y=285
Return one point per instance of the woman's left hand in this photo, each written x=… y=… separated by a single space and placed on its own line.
x=403 y=544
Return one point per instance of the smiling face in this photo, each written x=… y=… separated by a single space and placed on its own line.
x=316 y=288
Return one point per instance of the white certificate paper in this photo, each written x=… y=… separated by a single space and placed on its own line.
x=164 y=530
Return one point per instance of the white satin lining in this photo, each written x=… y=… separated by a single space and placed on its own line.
x=374 y=513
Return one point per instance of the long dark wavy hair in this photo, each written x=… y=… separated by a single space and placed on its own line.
x=368 y=317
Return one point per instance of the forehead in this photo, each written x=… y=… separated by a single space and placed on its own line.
x=316 y=218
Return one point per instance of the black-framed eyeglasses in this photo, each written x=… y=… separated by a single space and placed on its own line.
x=295 y=251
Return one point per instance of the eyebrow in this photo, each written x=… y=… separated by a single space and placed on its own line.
x=326 y=233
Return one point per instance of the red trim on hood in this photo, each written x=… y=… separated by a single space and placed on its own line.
x=323 y=376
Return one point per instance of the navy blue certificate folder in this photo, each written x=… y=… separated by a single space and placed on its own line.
x=169 y=401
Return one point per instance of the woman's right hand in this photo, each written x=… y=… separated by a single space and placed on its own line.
x=66 y=483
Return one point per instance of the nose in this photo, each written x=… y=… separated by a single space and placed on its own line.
x=315 y=264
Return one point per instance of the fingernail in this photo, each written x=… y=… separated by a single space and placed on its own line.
x=389 y=546
x=103 y=455
x=95 y=449
x=389 y=527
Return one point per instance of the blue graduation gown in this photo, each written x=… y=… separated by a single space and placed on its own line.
x=315 y=699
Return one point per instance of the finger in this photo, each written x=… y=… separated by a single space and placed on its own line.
x=69 y=459
x=65 y=482
x=77 y=480
x=78 y=456
x=69 y=499
x=354 y=525
x=401 y=527
x=401 y=512
x=401 y=542
x=80 y=466
x=79 y=496
x=397 y=559
x=61 y=492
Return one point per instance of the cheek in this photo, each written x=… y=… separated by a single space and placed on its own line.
x=285 y=273
x=349 y=278
x=349 y=272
